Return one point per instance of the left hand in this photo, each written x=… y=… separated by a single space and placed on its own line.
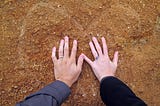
x=65 y=67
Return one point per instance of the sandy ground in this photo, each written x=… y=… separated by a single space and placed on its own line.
x=30 y=28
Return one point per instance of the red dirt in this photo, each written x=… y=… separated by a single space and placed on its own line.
x=30 y=28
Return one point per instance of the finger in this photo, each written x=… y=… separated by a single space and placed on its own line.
x=80 y=62
x=105 y=49
x=94 y=52
x=74 y=50
x=99 y=50
x=88 y=60
x=115 y=59
x=66 y=47
x=61 y=48
x=54 y=58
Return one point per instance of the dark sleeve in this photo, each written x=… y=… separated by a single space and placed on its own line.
x=115 y=93
x=52 y=95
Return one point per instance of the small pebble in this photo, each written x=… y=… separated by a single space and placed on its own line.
x=3 y=92
x=15 y=87
x=24 y=91
x=94 y=94
x=83 y=95
x=1 y=79
x=58 y=5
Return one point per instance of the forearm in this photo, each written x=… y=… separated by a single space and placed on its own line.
x=53 y=94
x=115 y=93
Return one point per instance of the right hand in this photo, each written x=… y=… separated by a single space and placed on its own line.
x=102 y=66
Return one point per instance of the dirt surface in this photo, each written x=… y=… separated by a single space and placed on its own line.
x=30 y=28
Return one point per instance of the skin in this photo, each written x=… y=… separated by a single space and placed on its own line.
x=102 y=66
x=66 y=69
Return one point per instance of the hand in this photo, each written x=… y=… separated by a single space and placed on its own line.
x=65 y=68
x=102 y=66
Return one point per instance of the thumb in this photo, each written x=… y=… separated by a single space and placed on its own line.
x=80 y=62
x=88 y=60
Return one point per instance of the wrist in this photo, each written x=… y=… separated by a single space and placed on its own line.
x=103 y=76
x=68 y=83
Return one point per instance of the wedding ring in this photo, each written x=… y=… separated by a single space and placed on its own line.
x=97 y=57
x=61 y=57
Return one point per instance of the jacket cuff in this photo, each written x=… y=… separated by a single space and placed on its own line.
x=111 y=83
x=58 y=90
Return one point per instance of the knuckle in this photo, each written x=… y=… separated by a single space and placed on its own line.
x=53 y=58
x=99 y=49
x=66 y=48
x=74 y=50
x=60 y=52
x=65 y=61
x=78 y=69
x=95 y=54
x=72 y=59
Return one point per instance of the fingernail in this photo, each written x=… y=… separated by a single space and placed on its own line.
x=66 y=37
x=93 y=37
x=117 y=52
x=61 y=40
x=75 y=41
x=53 y=49
x=82 y=55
